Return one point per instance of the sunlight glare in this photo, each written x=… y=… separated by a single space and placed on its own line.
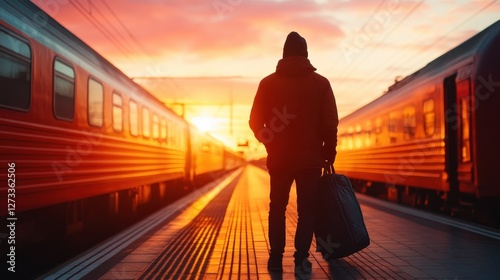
x=205 y=124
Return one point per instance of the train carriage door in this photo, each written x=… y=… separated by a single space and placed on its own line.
x=451 y=138
x=458 y=127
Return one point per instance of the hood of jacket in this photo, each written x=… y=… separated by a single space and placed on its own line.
x=294 y=66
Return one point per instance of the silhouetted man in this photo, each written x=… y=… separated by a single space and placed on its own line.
x=294 y=115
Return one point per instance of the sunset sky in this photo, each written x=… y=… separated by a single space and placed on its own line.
x=211 y=54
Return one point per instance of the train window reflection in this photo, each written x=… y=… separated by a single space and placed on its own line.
x=95 y=103
x=133 y=118
x=409 y=122
x=15 y=72
x=429 y=117
x=117 y=112
x=14 y=45
x=64 y=91
x=392 y=127
x=145 y=122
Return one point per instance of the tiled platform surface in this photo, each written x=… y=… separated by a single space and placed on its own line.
x=402 y=247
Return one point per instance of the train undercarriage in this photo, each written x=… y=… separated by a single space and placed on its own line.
x=66 y=229
x=465 y=206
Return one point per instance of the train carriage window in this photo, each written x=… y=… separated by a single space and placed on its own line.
x=350 y=138
x=169 y=133
x=117 y=112
x=145 y=123
x=178 y=138
x=64 y=91
x=163 y=130
x=409 y=122
x=358 y=137
x=368 y=134
x=182 y=138
x=378 y=125
x=392 y=127
x=133 y=118
x=429 y=117
x=177 y=135
x=173 y=135
x=340 y=143
x=15 y=72
x=378 y=130
x=156 y=127
x=206 y=146
x=96 y=103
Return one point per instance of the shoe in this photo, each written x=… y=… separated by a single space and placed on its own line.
x=275 y=264
x=303 y=269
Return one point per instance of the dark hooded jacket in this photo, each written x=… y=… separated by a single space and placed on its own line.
x=294 y=115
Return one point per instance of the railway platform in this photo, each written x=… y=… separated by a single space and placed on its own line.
x=220 y=232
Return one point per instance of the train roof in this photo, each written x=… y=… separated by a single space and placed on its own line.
x=467 y=49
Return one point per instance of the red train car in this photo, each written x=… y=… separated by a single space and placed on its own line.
x=431 y=138
x=82 y=143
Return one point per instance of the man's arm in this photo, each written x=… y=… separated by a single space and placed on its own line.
x=330 y=123
x=256 y=121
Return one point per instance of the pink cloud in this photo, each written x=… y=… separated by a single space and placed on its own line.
x=192 y=26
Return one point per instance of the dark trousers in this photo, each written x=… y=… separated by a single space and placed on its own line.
x=307 y=182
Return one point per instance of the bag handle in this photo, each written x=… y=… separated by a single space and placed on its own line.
x=328 y=169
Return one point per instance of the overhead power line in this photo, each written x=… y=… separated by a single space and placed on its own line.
x=377 y=77
x=125 y=27
x=101 y=28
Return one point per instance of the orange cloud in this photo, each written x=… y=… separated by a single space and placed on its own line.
x=190 y=26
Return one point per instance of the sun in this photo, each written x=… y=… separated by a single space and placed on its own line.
x=205 y=124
